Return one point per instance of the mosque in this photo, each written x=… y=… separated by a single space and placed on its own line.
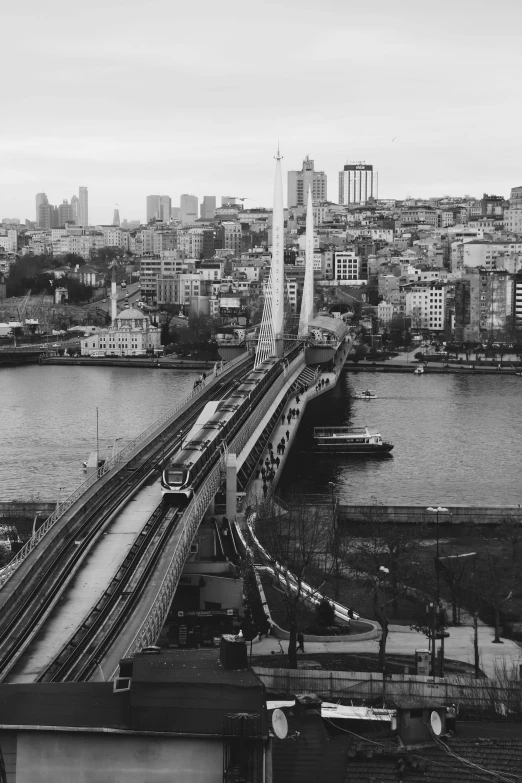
x=130 y=333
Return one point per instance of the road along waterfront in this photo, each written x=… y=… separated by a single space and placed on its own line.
x=457 y=440
x=49 y=420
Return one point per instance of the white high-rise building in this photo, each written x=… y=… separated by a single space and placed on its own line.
x=356 y=183
x=300 y=182
x=188 y=208
x=83 y=207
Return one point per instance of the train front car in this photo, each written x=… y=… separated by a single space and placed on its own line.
x=214 y=429
x=176 y=484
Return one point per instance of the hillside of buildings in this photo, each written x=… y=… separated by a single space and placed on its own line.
x=447 y=270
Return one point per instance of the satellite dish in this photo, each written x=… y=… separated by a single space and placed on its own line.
x=280 y=723
x=436 y=723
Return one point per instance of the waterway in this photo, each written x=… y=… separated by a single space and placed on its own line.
x=48 y=420
x=457 y=438
x=457 y=441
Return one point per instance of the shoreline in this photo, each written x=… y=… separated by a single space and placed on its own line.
x=405 y=367
x=117 y=361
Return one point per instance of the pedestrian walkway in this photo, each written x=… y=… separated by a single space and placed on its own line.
x=401 y=640
x=273 y=457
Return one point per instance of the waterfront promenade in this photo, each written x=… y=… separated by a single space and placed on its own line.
x=401 y=640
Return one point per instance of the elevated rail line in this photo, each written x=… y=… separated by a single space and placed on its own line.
x=45 y=584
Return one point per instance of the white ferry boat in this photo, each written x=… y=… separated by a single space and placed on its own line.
x=368 y=394
x=350 y=440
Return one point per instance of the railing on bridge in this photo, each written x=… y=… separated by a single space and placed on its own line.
x=14 y=564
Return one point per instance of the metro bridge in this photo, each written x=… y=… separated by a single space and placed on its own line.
x=96 y=581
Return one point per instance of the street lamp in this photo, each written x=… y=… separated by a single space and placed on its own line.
x=438 y=510
x=383 y=573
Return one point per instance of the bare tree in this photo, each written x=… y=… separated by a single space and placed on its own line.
x=295 y=540
x=455 y=570
x=394 y=545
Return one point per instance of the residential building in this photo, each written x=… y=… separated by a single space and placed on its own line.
x=347 y=267
x=188 y=208
x=152 y=268
x=189 y=287
x=385 y=312
x=356 y=183
x=83 y=206
x=517 y=301
x=299 y=183
x=425 y=303
x=167 y=290
x=232 y=236
x=513 y=215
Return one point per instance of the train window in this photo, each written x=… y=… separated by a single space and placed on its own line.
x=175 y=477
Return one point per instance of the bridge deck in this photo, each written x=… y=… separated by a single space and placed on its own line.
x=99 y=567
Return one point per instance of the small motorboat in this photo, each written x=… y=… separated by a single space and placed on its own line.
x=418 y=371
x=367 y=394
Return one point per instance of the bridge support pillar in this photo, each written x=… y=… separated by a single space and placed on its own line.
x=231 y=487
x=211 y=510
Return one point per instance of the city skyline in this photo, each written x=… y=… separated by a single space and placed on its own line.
x=386 y=85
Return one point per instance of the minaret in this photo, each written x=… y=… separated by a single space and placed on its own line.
x=307 y=304
x=114 y=296
x=278 y=263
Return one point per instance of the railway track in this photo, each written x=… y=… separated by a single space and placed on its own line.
x=82 y=654
x=46 y=584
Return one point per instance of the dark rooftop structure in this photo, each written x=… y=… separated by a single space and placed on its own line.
x=177 y=691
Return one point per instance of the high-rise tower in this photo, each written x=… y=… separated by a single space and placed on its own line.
x=83 y=206
x=300 y=183
x=356 y=183
x=189 y=208
x=75 y=210
x=41 y=198
x=116 y=218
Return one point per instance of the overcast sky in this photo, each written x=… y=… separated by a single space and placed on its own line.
x=169 y=98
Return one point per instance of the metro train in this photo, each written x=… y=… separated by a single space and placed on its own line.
x=219 y=421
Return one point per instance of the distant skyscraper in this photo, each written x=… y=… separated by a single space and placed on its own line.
x=175 y=213
x=300 y=182
x=356 y=183
x=41 y=198
x=208 y=207
x=75 y=210
x=45 y=212
x=83 y=211
x=64 y=213
x=165 y=208
x=189 y=208
x=153 y=208
x=116 y=218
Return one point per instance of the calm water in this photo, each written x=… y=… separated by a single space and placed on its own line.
x=48 y=420
x=457 y=438
x=457 y=441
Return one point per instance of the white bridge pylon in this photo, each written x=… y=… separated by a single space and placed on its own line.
x=270 y=342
